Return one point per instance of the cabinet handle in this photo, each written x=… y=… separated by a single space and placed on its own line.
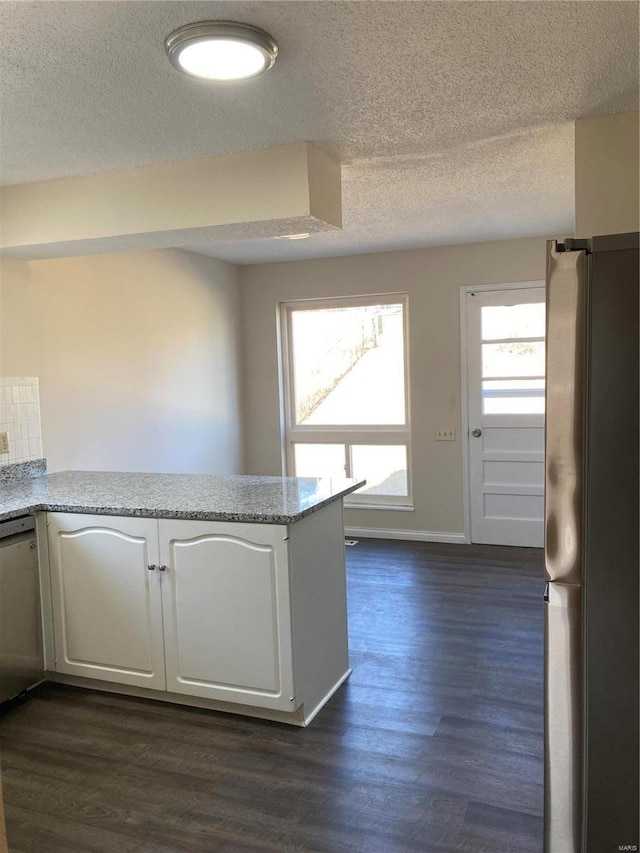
x=162 y=568
x=152 y=567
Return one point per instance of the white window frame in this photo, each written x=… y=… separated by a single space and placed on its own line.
x=348 y=435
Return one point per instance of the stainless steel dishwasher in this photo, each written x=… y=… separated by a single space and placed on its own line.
x=21 y=656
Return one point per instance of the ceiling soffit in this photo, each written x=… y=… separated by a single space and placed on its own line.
x=244 y=196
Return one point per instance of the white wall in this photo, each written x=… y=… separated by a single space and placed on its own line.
x=432 y=278
x=607 y=178
x=137 y=356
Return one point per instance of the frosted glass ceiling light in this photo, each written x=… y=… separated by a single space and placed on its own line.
x=221 y=50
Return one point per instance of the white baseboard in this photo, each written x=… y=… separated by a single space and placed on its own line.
x=415 y=535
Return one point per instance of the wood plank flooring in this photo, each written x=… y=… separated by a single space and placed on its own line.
x=433 y=745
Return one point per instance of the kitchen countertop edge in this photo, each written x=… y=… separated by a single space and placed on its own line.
x=250 y=517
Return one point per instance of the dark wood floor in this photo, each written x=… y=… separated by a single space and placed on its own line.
x=434 y=744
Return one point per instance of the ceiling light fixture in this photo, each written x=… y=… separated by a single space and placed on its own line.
x=221 y=50
x=302 y=236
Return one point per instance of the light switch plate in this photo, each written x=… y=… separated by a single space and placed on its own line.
x=445 y=433
x=4 y=442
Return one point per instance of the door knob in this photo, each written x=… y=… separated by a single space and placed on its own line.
x=477 y=432
x=152 y=567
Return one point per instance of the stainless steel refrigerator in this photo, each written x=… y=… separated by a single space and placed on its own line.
x=591 y=546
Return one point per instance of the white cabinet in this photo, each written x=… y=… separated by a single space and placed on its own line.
x=194 y=608
x=225 y=599
x=107 y=604
x=226 y=615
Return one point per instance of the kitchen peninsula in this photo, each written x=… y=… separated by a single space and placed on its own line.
x=219 y=591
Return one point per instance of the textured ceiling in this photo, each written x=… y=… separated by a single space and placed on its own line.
x=453 y=119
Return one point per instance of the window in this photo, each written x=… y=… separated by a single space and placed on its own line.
x=513 y=366
x=345 y=394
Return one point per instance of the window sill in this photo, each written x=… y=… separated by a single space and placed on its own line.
x=396 y=507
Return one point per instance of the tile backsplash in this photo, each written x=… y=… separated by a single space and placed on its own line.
x=20 y=418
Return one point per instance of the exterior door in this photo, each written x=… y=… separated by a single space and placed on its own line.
x=506 y=384
x=107 y=605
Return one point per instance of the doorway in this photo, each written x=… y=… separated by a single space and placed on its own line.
x=503 y=341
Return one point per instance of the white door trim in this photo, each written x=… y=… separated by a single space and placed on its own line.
x=464 y=383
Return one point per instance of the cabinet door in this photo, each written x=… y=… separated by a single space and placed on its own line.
x=107 y=605
x=226 y=612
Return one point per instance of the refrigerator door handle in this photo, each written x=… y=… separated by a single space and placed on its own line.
x=564 y=428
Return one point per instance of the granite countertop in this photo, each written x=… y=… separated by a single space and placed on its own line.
x=206 y=497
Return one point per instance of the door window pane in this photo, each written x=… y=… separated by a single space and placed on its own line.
x=513 y=321
x=513 y=397
x=383 y=466
x=515 y=358
x=319 y=460
x=348 y=365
